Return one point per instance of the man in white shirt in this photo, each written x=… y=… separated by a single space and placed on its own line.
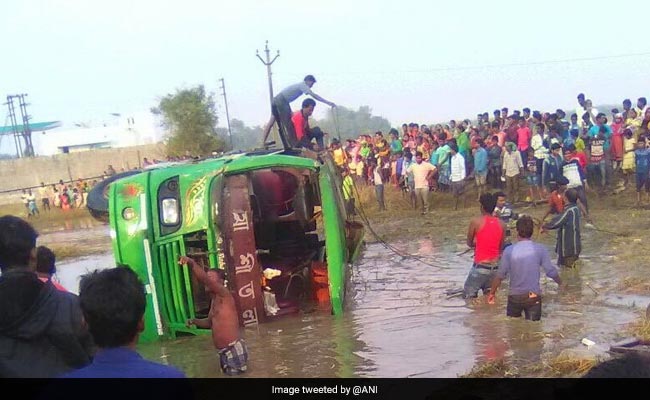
x=457 y=176
x=513 y=168
x=580 y=107
x=422 y=171
x=379 y=184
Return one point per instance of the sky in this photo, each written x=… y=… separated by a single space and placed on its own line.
x=410 y=61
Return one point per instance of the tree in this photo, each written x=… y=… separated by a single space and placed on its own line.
x=191 y=118
x=243 y=137
x=352 y=123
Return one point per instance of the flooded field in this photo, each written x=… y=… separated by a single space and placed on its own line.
x=400 y=322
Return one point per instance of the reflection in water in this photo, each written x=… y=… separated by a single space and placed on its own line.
x=69 y=272
x=313 y=345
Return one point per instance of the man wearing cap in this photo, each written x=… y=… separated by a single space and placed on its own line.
x=282 y=103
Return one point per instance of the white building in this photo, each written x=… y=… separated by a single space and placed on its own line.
x=122 y=131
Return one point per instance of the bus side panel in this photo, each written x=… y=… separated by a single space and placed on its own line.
x=244 y=269
x=335 y=244
x=131 y=241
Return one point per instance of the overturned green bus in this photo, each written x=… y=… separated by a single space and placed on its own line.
x=244 y=213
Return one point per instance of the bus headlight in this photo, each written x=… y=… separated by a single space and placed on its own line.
x=128 y=213
x=169 y=211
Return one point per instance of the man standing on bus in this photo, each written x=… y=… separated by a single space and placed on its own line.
x=282 y=103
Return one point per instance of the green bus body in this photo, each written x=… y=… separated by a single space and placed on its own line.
x=218 y=212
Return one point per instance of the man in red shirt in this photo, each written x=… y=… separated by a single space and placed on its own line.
x=523 y=140
x=304 y=134
x=486 y=236
x=510 y=128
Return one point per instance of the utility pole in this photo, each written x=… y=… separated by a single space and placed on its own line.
x=27 y=132
x=14 y=125
x=225 y=100
x=268 y=63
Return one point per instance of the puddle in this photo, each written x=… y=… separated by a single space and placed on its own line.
x=69 y=272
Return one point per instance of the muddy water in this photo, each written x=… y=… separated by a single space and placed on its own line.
x=400 y=323
x=70 y=271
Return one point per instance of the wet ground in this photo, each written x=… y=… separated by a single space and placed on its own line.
x=400 y=322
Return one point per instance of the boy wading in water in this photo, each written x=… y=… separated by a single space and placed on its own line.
x=222 y=319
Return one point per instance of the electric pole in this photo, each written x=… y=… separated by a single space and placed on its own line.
x=27 y=131
x=14 y=125
x=225 y=100
x=268 y=63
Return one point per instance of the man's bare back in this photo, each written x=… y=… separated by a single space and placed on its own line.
x=222 y=318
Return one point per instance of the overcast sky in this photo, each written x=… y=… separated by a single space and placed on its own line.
x=80 y=60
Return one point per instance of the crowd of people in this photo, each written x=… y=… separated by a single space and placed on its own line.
x=64 y=196
x=532 y=148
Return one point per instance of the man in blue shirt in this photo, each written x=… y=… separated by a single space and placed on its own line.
x=480 y=167
x=522 y=261
x=113 y=304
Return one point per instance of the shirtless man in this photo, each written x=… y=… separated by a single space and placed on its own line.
x=222 y=319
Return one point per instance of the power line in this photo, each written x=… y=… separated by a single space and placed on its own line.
x=269 y=74
x=489 y=66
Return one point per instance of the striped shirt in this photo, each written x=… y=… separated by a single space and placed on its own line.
x=569 y=242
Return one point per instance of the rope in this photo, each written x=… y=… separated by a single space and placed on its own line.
x=336 y=123
x=388 y=246
x=366 y=221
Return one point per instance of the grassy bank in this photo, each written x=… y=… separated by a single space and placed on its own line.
x=46 y=219
x=75 y=243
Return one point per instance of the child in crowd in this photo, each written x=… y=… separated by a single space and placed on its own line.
x=629 y=144
x=393 y=169
x=532 y=180
x=348 y=192
x=642 y=167
x=378 y=181
x=556 y=198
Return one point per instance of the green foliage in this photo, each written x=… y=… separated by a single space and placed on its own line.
x=243 y=137
x=352 y=123
x=191 y=118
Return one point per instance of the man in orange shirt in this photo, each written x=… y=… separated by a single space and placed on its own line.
x=556 y=198
x=304 y=134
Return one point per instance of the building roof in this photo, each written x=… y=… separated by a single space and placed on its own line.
x=36 y=126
